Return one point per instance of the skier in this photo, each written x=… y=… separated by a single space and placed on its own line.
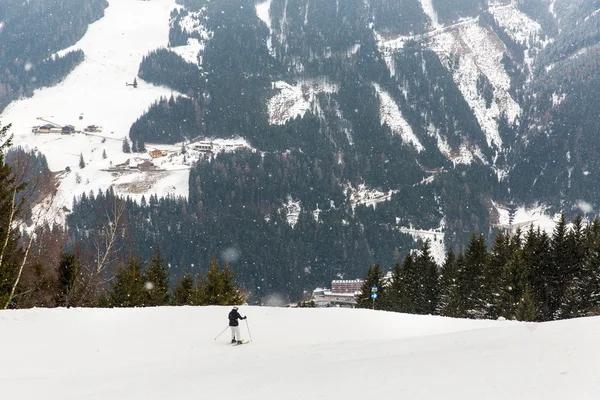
x=234 y=315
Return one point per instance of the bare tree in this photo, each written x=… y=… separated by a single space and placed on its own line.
x=39 y=187
x=106 y=245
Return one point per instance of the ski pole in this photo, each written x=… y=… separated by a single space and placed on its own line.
x=248 y=326
x=221 y=332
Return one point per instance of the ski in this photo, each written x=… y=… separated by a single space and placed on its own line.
x=242 y=342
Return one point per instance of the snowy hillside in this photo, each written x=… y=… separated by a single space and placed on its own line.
x=316 y=354
x=99 y=92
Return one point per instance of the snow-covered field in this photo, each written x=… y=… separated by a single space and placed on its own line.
x=317 y=354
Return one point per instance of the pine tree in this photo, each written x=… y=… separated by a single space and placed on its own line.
x=126 y=147
x=428 y=292
x=471 y=285
x=514 y=279
x=81 y=161
x=448 y=305
x=183 y=291
x=561 y=259
x=128 y=286
x=135 y=84
x=157 y=281
x=526 y=308
x=536 y=259
x=374 y=277
x=104 y=154
x=68 y=273
x=395 y=294
x=218 y=287
x=497 y=261
x=233 y=293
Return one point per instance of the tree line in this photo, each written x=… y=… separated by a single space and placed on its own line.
x=39 y=266
x=530 y=276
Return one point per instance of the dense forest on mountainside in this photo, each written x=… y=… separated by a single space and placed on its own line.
x=331 y=99
x=526 y=276
x=31 y=34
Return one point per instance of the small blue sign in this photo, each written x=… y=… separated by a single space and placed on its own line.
x=374 y=296
x=374 y=289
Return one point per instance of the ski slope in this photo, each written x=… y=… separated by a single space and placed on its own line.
x=317 y=354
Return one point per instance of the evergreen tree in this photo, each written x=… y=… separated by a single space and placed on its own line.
x=526 y=308
x=232 y=292
x=428 y=297
x=374 y=277
x=104 y=154
x=449 y=294
x=157 y=281
x=497 y=262
x=218 y=287
x=135 y=84
x=81 y=161
x=68 y=273
x=471 y=285
x=513 y=281
x=395 y=294
x=128 y=286
x=561 y=265
x=537 y=260
x=126 y=147
x=183 y=292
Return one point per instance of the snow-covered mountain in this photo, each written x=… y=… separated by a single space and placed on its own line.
x=170 y=352
x=381 y=120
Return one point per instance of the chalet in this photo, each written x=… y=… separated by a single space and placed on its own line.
x=93 y=128
x=157 y=153
x=146 y=165
x=46 y=128
x=68 y=129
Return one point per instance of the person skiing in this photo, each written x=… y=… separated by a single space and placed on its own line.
x=234 y=315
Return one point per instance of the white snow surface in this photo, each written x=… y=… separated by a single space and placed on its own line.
x=519 y=26
x=391 y=115
x=427 y=6
x=296 y=354
x=193 y=23
x=435 y=237
x=551 y=8
x=366 y=196
x=480 y=53
x=190 y=51
x=96 y=91
x=262 y=11
x=527 y=216
x=291 y=101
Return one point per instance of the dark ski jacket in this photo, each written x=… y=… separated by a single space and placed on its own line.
x=234 y=315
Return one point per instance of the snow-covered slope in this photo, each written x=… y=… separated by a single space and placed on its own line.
x=96 y=93
x=171 y=353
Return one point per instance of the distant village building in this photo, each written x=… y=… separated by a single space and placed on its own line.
x=68 y=129
x=146 y=165
x=346 y=286
x=342 y=294
x=93 y=128
x=204 y=147
x=46 y=129
x=157 y=153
